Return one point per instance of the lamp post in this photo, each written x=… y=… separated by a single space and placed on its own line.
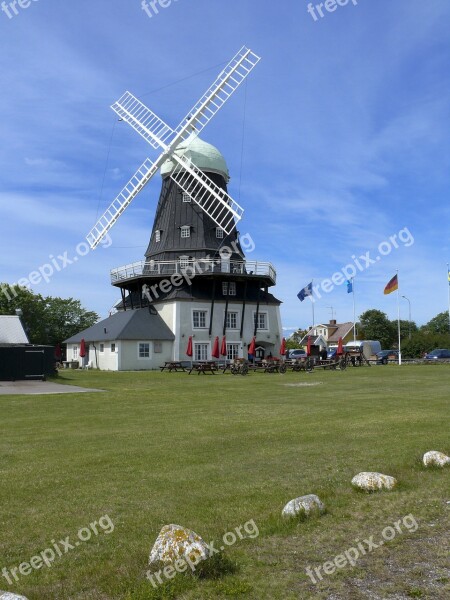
x=409 y=319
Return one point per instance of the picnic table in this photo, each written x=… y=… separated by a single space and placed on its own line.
x=173 y=365
x=269 y=366
x=204 y=367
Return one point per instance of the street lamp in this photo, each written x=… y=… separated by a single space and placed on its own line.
x=409 y=320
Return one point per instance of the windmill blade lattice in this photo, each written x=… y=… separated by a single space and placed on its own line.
x=214 y=201
x=222 y=209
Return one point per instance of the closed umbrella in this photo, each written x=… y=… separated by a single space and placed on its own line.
x=82 y=352
x=189 y=351
x=283 y=347
x=340 y=348
x=223 y=349
x=308 y=346
x=252 y=348
x=215 y=352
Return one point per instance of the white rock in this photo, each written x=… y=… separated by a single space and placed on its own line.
x=373 y=481
x=176 y=542
x=10 y=596
x=436 y=459
x=304 y=504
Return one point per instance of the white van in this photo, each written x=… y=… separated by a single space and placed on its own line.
x=368 y=347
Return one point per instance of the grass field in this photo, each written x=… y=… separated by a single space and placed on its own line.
x=212 y=453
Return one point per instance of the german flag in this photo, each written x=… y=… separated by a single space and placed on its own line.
x=392 y=285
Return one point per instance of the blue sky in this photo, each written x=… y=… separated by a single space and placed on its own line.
x=345 y=144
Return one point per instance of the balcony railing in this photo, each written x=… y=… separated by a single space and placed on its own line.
x=154 y=268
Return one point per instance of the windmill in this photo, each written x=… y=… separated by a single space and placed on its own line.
x=213 y=200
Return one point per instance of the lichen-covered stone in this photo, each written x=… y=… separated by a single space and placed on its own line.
x=303 y=505
x=10 y=596
x=371 y=482
x=175 y=542
x=435 y=459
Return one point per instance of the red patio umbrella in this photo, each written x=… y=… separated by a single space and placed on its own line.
x=215 y=352
x=283 y=347
x=58 y=352
x=308 y=346
x=340 y=348
x=189 y=351
x=252 y=347
x=223 y=349
x=82 y=352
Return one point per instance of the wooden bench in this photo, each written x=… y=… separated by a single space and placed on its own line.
x=207 y=367
x=172 y=366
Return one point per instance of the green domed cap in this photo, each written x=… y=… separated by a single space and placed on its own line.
x=205 y=157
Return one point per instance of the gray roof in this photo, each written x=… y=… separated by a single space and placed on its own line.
x=11 y=330
x=126 y=325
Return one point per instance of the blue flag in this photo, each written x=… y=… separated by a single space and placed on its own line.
x=349 y=286
x=306 y=291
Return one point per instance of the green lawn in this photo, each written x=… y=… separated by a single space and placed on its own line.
x=213 y=452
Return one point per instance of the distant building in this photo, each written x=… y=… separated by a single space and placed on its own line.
x=20 y=360
x=329 y=334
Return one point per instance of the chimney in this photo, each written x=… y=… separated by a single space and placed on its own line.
x=333 y=322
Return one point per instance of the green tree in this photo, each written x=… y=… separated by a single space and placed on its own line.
x=375 y=325
x=405 y=328
x=294 y=340
x=422 y=343
x=438 y=324
x=46 y=320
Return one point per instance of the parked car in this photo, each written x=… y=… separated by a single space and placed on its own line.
x=295 y=354
x=438 y=354
x=385 y=356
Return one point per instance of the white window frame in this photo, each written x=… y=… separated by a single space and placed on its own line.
x=200 y=310
x=101 y=348
x=233 y=350
x=158 y=235
x=75 y=352
x=157 y=347
x=219 y=233
x=266 y=328
x=187 y=197
x=206 y=347
x=224 y=288
x=185 y=232
x=113 y=347
x=139 y=344
x=232 y=288
x=228 y=321
x=184 y=262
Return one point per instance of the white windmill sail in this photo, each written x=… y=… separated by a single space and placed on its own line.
x=213 y=200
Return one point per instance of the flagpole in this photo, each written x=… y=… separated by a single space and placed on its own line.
x=312 y=302
x=354 y=310
x=398 y=322
x=448 y=277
